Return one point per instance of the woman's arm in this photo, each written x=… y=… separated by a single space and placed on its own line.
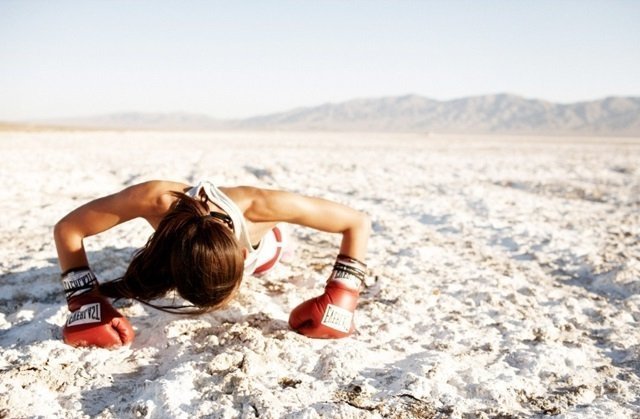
x=148 y=200
x=317 y=213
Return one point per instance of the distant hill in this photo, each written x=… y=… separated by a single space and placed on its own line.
x=490 y=114
x=495 y=114
x=141 y=121
x=29 y=127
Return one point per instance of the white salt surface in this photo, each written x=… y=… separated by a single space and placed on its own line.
x=505 y=280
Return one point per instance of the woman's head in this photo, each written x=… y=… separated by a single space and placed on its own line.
x=191 y=252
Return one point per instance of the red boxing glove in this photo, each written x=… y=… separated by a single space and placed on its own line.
x=330 y=315
x=93 y=320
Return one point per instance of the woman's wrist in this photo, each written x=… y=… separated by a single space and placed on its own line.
x=349 y=271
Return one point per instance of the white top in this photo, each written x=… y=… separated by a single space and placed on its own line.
x=241 y=231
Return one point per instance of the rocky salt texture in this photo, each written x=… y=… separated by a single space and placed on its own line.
x=504 y=280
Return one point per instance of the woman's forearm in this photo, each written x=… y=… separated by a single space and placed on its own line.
x=355 y=238
x=71 y=253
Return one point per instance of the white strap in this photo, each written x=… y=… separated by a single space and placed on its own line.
x=241 y=231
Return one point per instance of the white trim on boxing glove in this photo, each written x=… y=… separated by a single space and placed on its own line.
x=337 y=318
x=88 y=313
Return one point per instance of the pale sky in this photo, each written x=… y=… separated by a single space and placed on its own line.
x=232 y=59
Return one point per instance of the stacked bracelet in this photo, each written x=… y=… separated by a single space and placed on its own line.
x=349 y=271
x=78 y=281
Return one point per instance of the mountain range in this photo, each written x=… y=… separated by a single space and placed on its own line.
x=489 y=114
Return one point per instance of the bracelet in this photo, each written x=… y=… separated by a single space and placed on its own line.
x=344 y=258
x=349 y=271
x=78 y=281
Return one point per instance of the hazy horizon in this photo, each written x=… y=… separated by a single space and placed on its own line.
x=230 y=61
x=310 y=106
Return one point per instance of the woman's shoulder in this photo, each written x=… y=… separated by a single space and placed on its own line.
x=243 y=196
x=155 y=196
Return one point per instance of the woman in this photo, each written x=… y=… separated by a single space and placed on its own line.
x=206 y=238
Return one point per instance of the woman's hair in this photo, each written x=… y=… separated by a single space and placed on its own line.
x=190 y=252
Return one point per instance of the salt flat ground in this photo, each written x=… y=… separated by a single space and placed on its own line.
x=504 y=280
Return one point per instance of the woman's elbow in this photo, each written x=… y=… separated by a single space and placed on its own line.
x=61 y=229
x=57 y=228
x=364 y=223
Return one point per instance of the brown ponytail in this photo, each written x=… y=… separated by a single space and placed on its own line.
x=195 y=255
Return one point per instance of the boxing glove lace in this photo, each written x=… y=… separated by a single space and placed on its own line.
x=93 y=320
x=330 y=315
